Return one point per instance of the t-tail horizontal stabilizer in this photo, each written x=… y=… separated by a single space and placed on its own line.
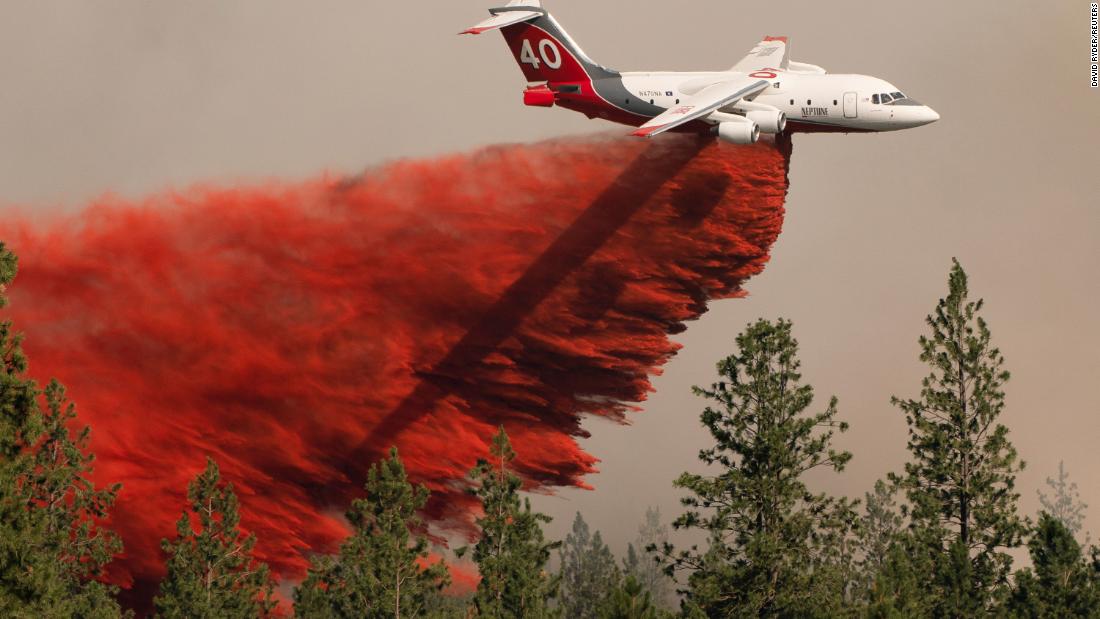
x=514 y=12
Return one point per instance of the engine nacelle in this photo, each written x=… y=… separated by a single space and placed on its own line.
x=745 y=132
x=768 y=121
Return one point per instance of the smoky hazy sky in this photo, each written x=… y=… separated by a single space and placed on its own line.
x=133 y=97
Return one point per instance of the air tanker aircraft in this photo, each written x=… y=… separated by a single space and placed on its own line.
x=765 y=91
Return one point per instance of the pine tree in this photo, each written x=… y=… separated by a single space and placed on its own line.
x=511 y=553
x=772 y=543
x=628 y=600
x=960 y=482
x=879 y=530
x=382 y=569
x=1060 y=582
x=588 y=572
x=1064 y=502
x=52 y=551
x=901 y=582
x=632 y=562
x=637 y=566
x=211 y=571
x=645 y=566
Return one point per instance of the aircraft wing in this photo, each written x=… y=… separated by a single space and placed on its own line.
x=702 y=103
x=771 y=53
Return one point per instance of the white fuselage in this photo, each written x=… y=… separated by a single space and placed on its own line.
x=827 y=102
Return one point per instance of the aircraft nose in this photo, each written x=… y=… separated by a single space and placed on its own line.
x=926 y=115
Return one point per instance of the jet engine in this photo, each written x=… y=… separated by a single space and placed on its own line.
x=739 y=132
x=768 y=121
x=769 y=118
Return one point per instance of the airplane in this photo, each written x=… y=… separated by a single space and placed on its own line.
x=765 y=91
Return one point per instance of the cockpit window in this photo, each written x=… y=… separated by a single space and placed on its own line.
x=893 y=98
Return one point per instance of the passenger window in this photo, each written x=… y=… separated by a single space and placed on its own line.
x=834 y=101
x=792 y=101
x=808 y=102
x=874 y=98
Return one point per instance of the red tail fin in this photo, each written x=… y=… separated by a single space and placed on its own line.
x=544 y=51
x=542 y=56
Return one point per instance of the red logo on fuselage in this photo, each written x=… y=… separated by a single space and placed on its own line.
x=766 y=73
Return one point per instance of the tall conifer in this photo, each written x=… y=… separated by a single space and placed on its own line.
x=1060 y=581
x=960 y=480
x=588 y=571
x=511 y=552
x=383 y=568
x=52 y=550
x=644 y=564
x=211 y=571
x=1064 y=501
x=774 y=546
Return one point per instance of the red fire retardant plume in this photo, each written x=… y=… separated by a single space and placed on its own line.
x=294 y=331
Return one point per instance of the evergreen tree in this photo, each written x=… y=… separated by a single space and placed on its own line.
x=960 y=482
x=52 y=551
x=511 y=553
x=1064 y=502
x=449 y=605
x=632 y=563
x=588 y=572
x=211 y=572
x=772 y=543
x=380 y=570
x=629 y=600
x=645 y=565
x=901 y=582
x=1060 y=582
x=879 y=530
